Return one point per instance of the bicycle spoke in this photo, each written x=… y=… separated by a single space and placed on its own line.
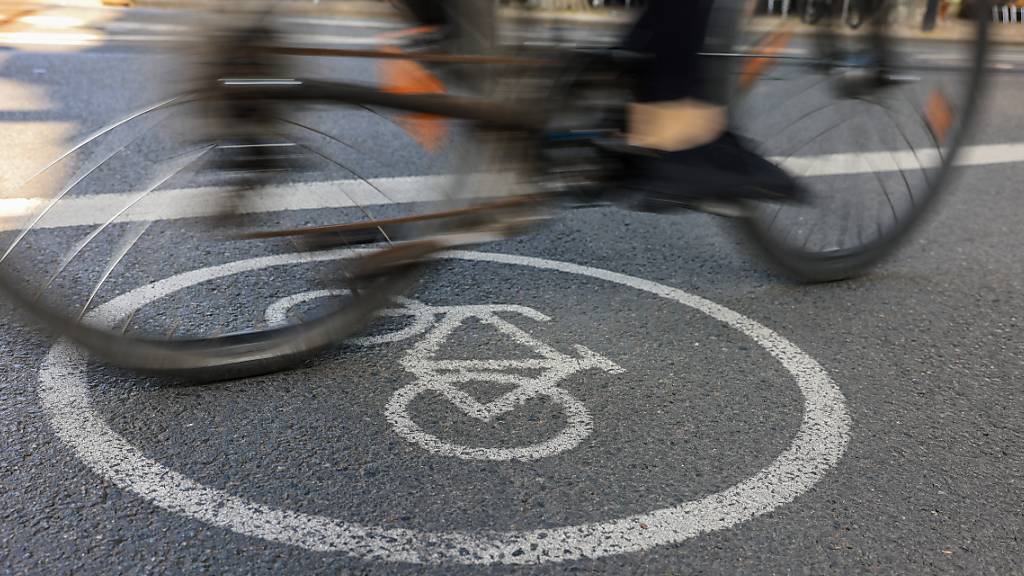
x=183 y=99
x=82 y=244
x=885 y=191
x=906 y=140
x=826 y=130
x=71 y=186
x=126 y=247
x=320 y=132
x=892 y=105
x=366 y=181
x=127 y=321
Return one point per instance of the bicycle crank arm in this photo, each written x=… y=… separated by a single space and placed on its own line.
x=391 y=229
x=388 y=260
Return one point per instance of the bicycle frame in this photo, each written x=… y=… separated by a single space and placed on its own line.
x=489 y=112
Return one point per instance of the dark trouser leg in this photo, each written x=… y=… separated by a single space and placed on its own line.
x=674 y=32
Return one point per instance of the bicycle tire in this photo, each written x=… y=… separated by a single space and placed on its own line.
x=207 y=357
x=778 y=239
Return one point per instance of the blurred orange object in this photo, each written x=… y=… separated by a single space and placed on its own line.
x=939 y=115
x=408 y=77
x=773 y=45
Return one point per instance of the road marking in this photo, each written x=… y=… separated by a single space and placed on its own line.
x=176 y=204
x=816 y=448
x=277 y=315
x=445 y=376
x=906 y=160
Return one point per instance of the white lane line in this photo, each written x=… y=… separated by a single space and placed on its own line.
x=198 y=202
x=817 y=447
x=866 y=163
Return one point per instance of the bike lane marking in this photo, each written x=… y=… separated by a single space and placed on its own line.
x=277 y=315
x=816 y=448
x=443 y=377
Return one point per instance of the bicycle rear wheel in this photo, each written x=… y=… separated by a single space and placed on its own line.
x=180 y=199
x=870 y=122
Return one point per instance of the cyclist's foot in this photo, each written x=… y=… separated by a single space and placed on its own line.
x=716 y=177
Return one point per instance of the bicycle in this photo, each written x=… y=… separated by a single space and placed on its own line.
x=529 y=118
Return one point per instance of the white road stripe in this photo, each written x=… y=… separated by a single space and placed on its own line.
x=176 y=204
x=866 y=163
x=196 y=202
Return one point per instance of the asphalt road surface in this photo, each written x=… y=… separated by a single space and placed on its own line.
x=647 y=396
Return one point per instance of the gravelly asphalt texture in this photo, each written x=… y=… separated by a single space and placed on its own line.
x=926 y=351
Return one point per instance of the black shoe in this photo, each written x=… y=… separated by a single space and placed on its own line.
x=717 y=177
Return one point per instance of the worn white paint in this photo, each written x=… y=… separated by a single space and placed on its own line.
x=529 y=378
x=444 y=377
x=816 y=448
x=422 y=316
x=175 y=204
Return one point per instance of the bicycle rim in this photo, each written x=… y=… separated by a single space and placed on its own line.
x=168 y=189
x=872 y=164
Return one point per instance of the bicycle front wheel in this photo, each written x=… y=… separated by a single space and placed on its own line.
x=870 y=122
x=174 y=240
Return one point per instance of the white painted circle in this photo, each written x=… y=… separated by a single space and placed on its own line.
x=816 y=448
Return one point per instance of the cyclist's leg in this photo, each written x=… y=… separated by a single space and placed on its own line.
x=427 y=12
x=682 y=111
x=673 y=32
x=673 y=112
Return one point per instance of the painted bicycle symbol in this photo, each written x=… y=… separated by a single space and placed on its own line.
x=536 y=376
